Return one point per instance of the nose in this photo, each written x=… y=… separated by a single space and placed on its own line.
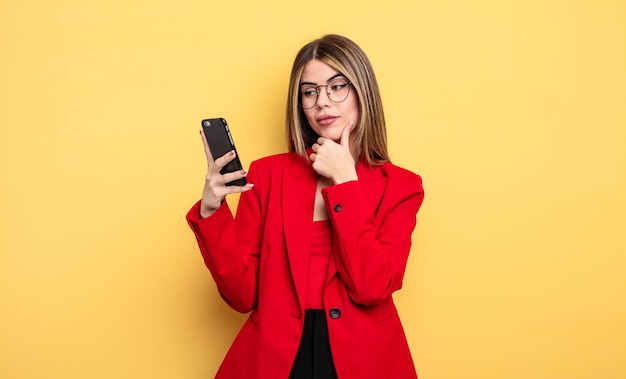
x=322 y=97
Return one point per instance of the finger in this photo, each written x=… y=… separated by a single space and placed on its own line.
x=229 y=190
x=232 y=176
x=245 y=188
x=224 y=159
x=207 y=150
x=345 y=135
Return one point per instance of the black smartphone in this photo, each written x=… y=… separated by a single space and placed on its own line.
x=221 y=142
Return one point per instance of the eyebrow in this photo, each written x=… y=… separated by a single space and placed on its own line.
x=329 y=79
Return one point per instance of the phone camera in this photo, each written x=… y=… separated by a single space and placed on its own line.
x=206 y=123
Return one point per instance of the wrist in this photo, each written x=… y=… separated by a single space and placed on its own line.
x=348 y=177
x=206 y=211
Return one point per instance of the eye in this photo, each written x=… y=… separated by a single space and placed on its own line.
x=309 y=92
x=338 y=85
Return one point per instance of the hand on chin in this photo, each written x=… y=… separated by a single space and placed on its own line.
x=331 y=132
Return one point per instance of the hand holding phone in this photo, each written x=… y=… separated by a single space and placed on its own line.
x=218 y=143
x=221 y=142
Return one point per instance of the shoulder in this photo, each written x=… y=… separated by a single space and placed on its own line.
x=389 y=171
x=273 y=165
x=272 y=159
x=396 y=171
x=276 y=160
x=401 y=177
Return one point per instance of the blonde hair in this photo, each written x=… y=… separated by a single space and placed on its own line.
x=345 y=56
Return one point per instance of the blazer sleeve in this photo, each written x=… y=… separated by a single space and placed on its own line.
x=231 y=248
x=373 y=248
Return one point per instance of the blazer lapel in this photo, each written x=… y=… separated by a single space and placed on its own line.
x=298 y=197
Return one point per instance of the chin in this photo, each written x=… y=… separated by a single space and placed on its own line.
x=333 y=135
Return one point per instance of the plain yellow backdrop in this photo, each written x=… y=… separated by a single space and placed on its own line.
x=514 y=113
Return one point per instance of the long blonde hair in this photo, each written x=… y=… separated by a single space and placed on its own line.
x=345 y=56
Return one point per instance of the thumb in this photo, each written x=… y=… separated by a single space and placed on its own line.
x=345 y=135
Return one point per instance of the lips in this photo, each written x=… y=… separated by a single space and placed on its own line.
x=326 y=120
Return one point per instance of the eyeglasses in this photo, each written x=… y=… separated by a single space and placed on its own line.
x=337 y=90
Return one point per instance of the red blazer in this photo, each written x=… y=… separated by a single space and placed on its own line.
x=259 y=262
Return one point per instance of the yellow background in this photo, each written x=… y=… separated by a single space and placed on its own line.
x=513 y=112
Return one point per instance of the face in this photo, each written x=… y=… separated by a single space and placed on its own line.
x=327 y=118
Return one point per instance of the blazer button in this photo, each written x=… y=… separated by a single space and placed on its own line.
x=337 y=207
x=335 y=313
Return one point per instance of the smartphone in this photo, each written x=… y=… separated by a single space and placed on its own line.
x=221 y=142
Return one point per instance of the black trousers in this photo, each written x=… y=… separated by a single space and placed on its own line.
x=314 y=359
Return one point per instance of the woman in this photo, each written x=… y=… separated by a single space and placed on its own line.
x=321 y=235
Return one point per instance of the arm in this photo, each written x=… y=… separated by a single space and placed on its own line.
x=373 y=249
x=231 y=248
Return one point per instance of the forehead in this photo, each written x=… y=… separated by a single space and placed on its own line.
x=316 y=71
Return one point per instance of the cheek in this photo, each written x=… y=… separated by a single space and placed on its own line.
x=352 y=108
